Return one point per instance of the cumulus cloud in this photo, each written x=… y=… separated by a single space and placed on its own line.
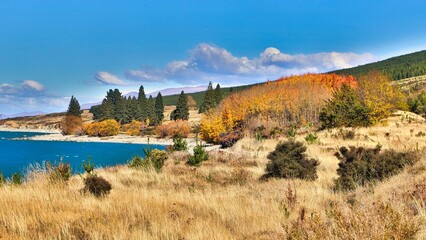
x=107 y=78
x=28 y=95
x=32 y=85
x=208 y=62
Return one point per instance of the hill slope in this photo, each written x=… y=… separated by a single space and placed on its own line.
x=400 y=67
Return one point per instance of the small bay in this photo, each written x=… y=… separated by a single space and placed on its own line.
x=18 y=154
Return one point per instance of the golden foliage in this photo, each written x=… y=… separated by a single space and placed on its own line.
x=295 y=99
x=377 y=93
x=105 y=128
x=71 y=125
x=175 y=128
x=132 y=128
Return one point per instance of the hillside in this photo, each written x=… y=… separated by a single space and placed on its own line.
x=400 y=67
x=199 y=96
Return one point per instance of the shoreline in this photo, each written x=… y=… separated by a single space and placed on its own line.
x=56 y=135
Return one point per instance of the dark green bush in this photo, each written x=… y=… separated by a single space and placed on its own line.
x=418 y=104
x=60 y=172
x=17 y=178
x=97 y=186
x=179 y=144
x=289 y=160
x=200 y=155
x=359 y=166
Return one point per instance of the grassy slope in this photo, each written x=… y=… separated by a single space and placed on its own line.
x=400 y=67
x=223 y=199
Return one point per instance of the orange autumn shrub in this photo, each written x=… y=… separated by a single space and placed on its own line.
x=71 y=125
x=290 y=100
x=173 y=129
x=133 y=128
x=105 y=128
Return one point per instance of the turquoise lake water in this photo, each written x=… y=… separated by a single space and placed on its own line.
x=18 y=155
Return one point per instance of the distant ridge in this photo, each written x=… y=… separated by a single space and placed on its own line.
x=400 y=67
x=22 y=114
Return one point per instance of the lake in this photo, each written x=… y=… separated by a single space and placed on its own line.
x=18 y=155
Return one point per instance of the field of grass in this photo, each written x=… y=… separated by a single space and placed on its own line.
x=224 y=198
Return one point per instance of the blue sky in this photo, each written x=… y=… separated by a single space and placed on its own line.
x=51 y=49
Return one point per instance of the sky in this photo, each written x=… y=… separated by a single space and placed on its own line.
x=52 y=49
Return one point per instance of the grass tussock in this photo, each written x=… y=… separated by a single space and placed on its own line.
x=222 y=198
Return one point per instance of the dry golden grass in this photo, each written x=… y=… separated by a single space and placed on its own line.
x=224 y=199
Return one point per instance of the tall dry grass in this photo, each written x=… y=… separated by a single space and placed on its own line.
x=224 y=199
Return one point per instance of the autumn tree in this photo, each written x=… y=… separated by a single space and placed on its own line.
x=72 y=123
x=182 y=110
x=379 y=95
x=159 y=109
x=74 y=108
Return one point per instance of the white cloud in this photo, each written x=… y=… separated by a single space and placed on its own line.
x=33 y=85
x=107 y=78
x=208 y=62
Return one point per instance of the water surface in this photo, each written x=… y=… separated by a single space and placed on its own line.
x=18 y=155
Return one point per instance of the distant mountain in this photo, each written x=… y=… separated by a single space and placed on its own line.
x=400 y=67
x=22 y=114
x=171 y=91
x=164 y=92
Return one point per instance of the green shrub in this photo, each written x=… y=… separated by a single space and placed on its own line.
x=97 y=186
x=345 y=109
x=289 y=160
x=291 y=132
x=157 y=159
x=154 y=159
x=88 y=167
x=311 y=138
x=60 y=172
x=179 y=144
x=359 y=166
x=200 y=155
x=17 y=178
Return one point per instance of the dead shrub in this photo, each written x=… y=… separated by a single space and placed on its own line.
x=174 y=129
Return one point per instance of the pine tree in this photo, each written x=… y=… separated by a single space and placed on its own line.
x=151 y=116
x=133 y=109
x=218 y=95
x=119 y=107
x=159 y=108
x=142 y=103
x=209 y=99
x=74 y=108
x=182 y=110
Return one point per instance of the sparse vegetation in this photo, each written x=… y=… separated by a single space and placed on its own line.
x=200 y=155
x=60 y=172
x=179 y=144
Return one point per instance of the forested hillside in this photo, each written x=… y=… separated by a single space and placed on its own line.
x=401 y=67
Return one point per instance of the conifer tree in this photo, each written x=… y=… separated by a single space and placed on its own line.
x=159 y=108
x=74 y=108
x=182 y=110
x=151 y=111
x=142 y=103
x=218 y=94
x=209 y=99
